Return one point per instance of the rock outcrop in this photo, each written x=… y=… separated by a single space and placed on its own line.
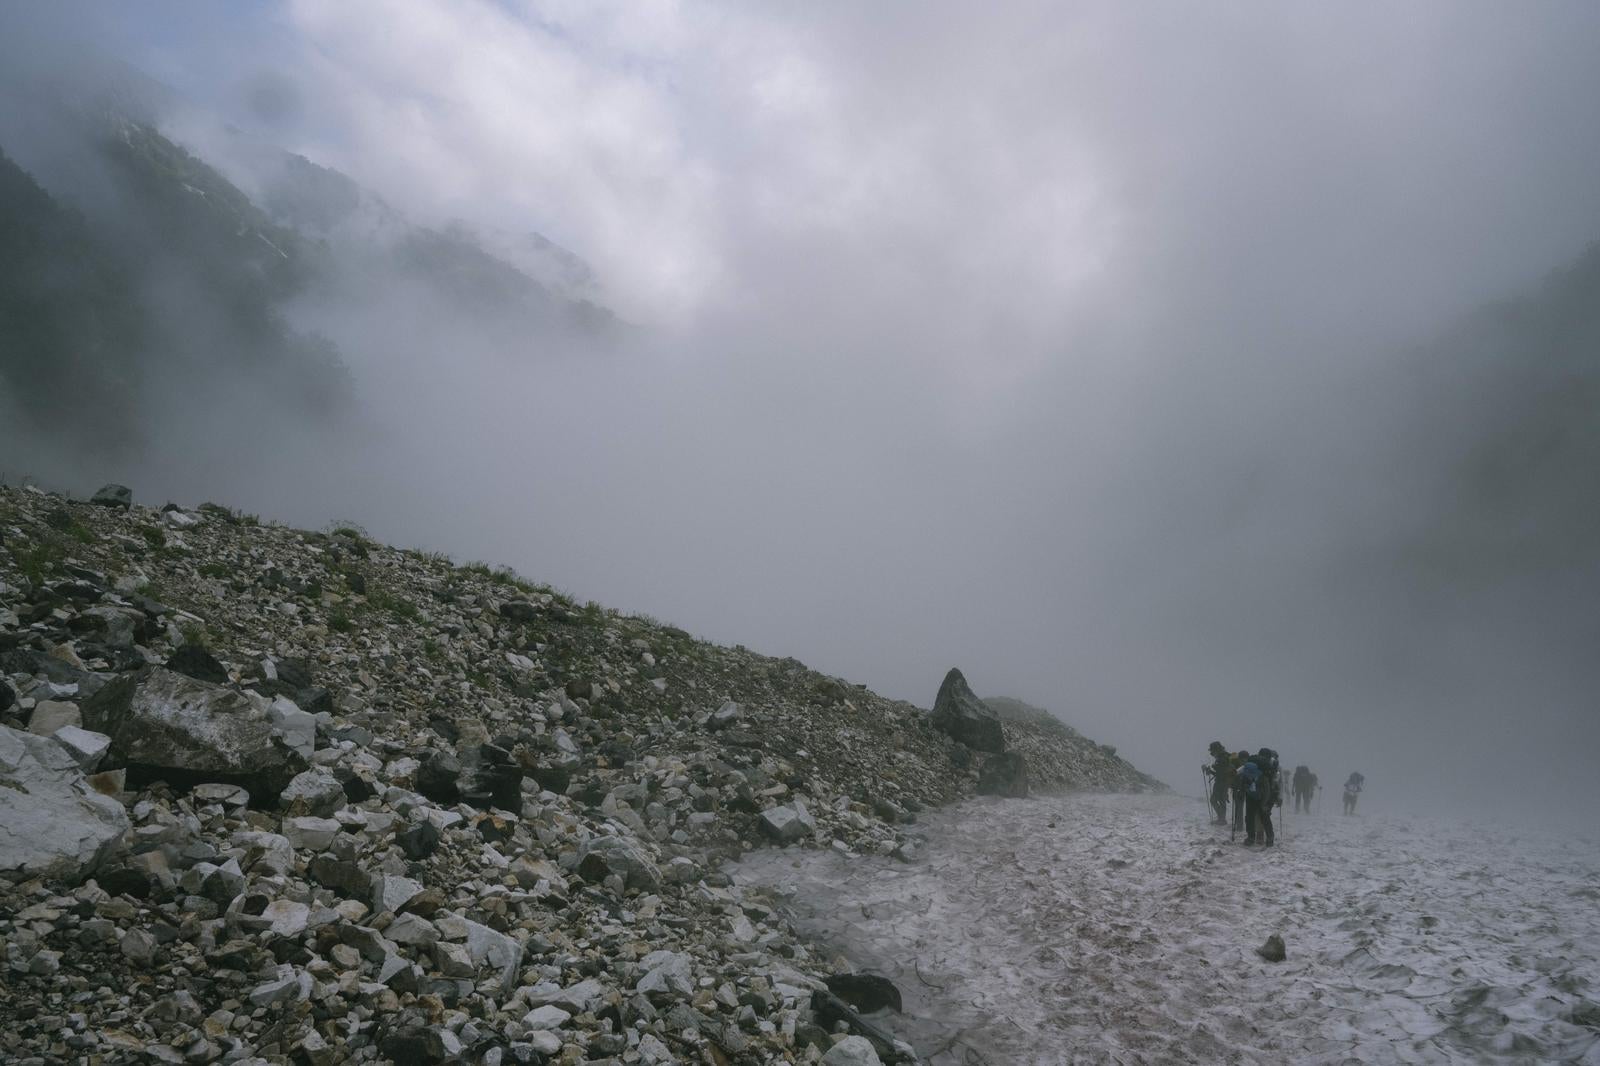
x=962 y=716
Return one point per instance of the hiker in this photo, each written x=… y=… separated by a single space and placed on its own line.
x=1220 y=773
x=1262 y=793
x=1305 y=788
x=1352 y=791
x=1236 y=762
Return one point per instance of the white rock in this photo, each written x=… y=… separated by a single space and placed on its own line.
x=666 y=972
x=288 y=918
x=86 y=748
x=852 y=1051
x=290 y=984
x=308 y=832
x=297 y=728
x=390 y=893
x=488 y=947
x=51 y=821
x=546 y=1017
x=544 y=1042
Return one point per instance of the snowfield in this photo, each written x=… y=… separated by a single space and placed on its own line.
x=1122 y=929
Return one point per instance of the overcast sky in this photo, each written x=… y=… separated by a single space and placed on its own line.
x=1059 y=342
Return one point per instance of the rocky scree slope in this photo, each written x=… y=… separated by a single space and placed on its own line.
x=270 y=795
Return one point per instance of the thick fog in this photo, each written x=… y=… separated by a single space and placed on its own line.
x=1075 y=345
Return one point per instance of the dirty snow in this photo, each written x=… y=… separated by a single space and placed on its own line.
x=1122 y=929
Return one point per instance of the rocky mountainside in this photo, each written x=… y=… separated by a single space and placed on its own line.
x=136 y=272
x=278 y=796
x=1043 y=739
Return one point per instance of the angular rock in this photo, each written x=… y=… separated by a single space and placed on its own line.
x=85 y=747
x=787 y=824
x=293 y=726
x=51 y=821
x=494 y=950
x=193 y=660
x=286 y=917
x=1273 y=950
x=546 y=1017
x=390 y=893
x=1004 y=774
x=314 y=834
x=666 y=973
x=960 y=714
x=315 y=792
x=601 y=856
x=419 y=841
x=164 y=725
x=290 y=985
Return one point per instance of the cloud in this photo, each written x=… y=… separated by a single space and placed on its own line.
x=1064 y=342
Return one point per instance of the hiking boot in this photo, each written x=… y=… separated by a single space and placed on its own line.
x=1249 y=840
x=1266 y=843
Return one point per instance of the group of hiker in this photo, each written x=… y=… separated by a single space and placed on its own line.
x=1253 y=784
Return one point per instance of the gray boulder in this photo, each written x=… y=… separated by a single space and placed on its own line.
x=164 y=725
x=787 y=824
x=601 y=856
x=1004 y=774
x=852 y=1051
x=51 y=822
x=316 y=792
x=960 y=714
x=86 y=748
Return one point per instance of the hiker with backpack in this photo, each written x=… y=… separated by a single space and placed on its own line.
x=1352 y=791
x=1261 y=794
x=1305 y=788
x=1219 y=772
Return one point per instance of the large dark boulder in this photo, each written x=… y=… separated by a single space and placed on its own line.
x=1004 y=774
x=113 y=495
x=166 y=726
x=866 y=992
x=193 y=660
x=963 y=716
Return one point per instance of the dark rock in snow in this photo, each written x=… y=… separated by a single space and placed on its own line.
x=832 y=1011
x=866 y=992
x=113 y=495
x=1273 y=950
x=964 y=717
x=1005 y=774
